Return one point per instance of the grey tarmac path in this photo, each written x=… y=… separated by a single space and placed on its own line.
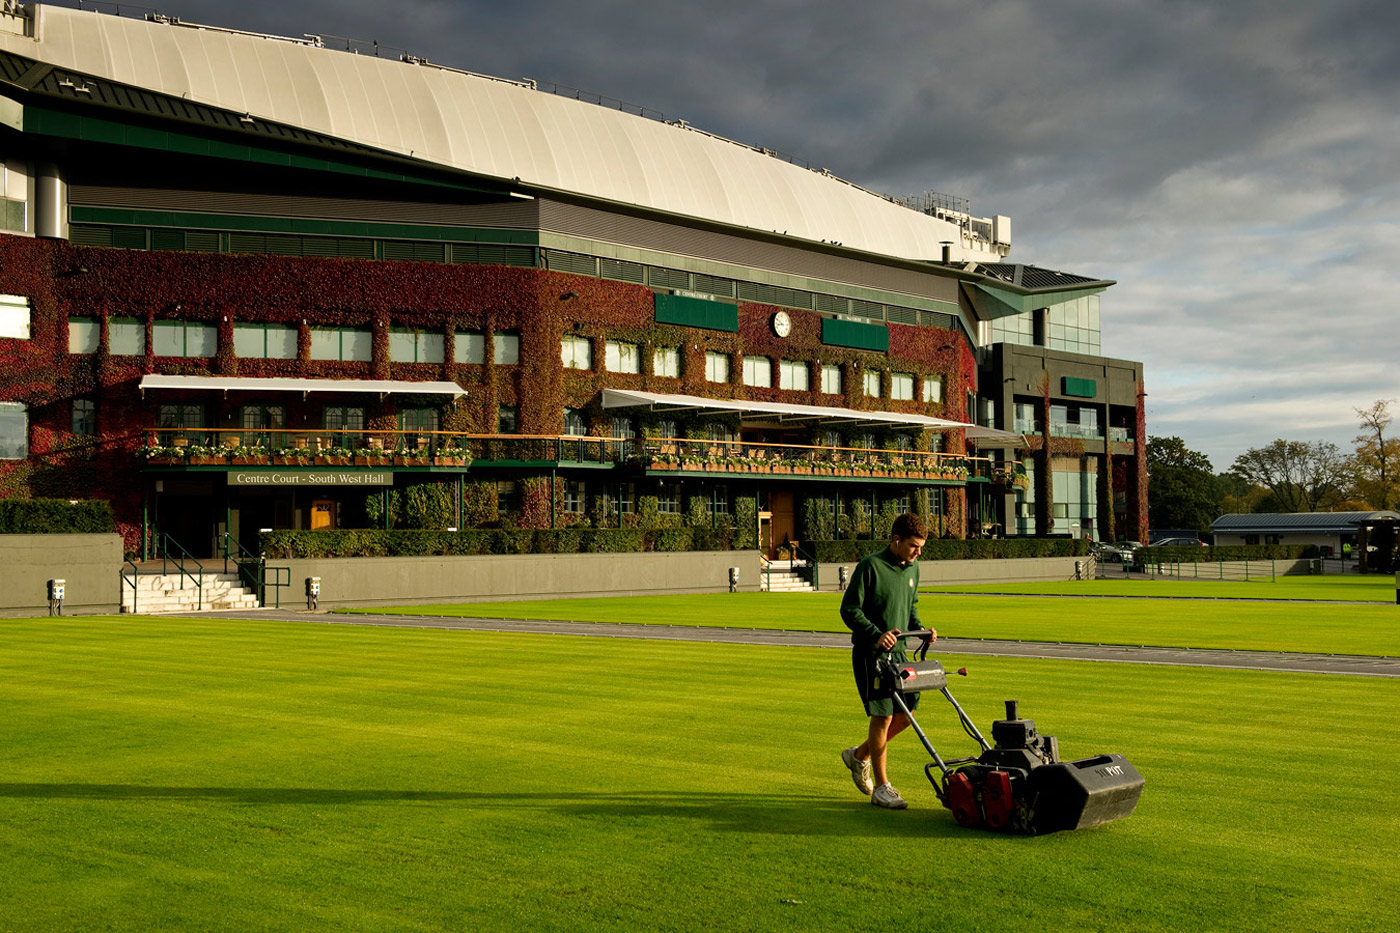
x=1279 y=661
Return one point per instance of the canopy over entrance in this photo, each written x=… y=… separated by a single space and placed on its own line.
x=304 y=386
x=781 y=412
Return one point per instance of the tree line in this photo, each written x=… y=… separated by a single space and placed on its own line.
x=1185 y=492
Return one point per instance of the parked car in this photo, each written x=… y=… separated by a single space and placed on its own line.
x=1178 y=542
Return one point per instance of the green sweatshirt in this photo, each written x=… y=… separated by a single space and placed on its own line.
x=883 y=594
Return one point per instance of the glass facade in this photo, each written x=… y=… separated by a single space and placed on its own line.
x=1073 y=326
x=1018 y=329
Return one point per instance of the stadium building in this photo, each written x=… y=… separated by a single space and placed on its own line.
x=255 y=282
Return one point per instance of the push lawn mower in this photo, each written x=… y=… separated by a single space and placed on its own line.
x=1019 y=784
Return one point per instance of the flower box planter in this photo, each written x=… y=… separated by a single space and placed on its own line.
x=410 y=461
x=449 y=461
x=206 y=461
x=291 y=461
x=372 y=461
x=249 y=461
x=332 y=461
x=165 y=461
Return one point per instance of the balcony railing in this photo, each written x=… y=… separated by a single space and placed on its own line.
x=282 y=447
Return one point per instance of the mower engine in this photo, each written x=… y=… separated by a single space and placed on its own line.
x=1018 y=783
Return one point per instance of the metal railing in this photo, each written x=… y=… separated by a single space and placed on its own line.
x=165 y=545
x=809 y=558
x=134 y=581
x=281 y=446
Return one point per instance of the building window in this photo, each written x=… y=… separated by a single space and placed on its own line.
x=1074 y=325
x=1017 y=329
x=933 y=388
x=507 y=498
x=347 y=421
x=264 y=341
x=576 y=352
x=573 y=496
x=794 y=375
x=872 y=383
x=626 y=498
x=84 y=417
x=84 y=335
x=622 y=427
x=126 y=336
x=507 y=419
x=623 y=357
x=259 y=422
x=14 y=431
x=668 y=499
x=14 y=197
x=935 y=443
x=413 y=421
x=469 y=346
x=666 y=427
x=184 y=338
x=720 y=431
x=903 y=442
x=415 y=346
x=342 y=343
x=830 y=439
x=505 y=347
x=667 y=362
x=719 y=498
x=902 y=387
x=758 y=371
x=574 y=425
x=716 y=367
x=865 y=441
x=14 y=317
x=1025 y=418
x=831 y=379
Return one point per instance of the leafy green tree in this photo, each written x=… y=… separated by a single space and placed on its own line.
x=1375 y=466
x=1300 y=476
x=1182 y=491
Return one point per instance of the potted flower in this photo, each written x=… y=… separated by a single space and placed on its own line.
x=451 y=456
x=372 y=456
x=412 y=456
x=291 y=456
x=155 y=453
x=201 y=455
x=333 y=456
x=248 y=456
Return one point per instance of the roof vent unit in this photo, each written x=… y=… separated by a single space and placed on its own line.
x=1001 y=230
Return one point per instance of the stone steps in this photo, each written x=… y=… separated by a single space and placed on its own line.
x=156 y=593
x=784 y=581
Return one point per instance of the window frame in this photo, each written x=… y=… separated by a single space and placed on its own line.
x=624 y=355
x=574 y=349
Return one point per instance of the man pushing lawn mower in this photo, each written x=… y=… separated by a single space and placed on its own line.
x=881 y=603
x=1019 y=784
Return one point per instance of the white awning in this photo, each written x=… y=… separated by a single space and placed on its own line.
x=781 y=411
x=987 y=438
x=304 y=386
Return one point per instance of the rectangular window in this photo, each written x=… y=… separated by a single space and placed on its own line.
x=469 y=346
x=507 y=419
x=84 y=335
x=872 y=383
x=341 y=343
x=264 y=341
x=716 y=367
x=626 y=498
x=794 y=375
x=414 y=346
x=668 y=499
x=667 y=362
x=14 y=317
x=507 y=498
x=505 y=348
x=623 y=357
x=576 y=352
x=418 y=419
x=831 y=379
x=933 y=388
x=14 y=431
x=758 y=371
x=902 y=386
x=573 y=496
x=84 y=417
x=126 y=336
x=261 y=425
x=184 y=338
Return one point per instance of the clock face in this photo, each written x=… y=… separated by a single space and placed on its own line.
x=782 y=324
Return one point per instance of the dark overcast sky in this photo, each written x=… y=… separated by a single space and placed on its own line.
x=1234 y=166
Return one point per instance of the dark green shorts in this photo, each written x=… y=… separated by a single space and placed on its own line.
x=877 y=699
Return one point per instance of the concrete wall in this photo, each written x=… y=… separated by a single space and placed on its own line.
x=91 y=565
x=950 y=572
x=384 y=581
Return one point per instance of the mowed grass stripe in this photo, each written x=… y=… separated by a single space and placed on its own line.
x=1323 y=628
x=231 y=775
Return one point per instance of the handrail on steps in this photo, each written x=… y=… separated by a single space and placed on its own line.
x=167 y=545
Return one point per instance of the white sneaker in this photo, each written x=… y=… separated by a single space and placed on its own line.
x=860 y=771
x=887 y=797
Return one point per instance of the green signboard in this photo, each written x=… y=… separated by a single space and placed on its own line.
x=856 y=335
x=696 y=312
x=1079 y=388
x=310 y=478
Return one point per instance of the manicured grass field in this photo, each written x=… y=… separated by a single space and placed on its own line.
x=1328 y=628
x=227 y=775
x=1371 y=588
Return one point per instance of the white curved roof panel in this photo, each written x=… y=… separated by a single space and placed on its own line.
x=497 y=129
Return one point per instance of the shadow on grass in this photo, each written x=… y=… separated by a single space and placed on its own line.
x=780 y=814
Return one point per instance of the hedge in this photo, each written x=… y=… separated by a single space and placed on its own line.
x=56 y=517
x=1195 y=554
x=846 y=552
x=419 y=543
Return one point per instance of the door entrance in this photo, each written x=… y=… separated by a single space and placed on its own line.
x=323 y=514
x=783 y=522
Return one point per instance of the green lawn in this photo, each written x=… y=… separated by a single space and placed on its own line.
x=227 y=775
x=1373 y=589
x=1329 y=628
